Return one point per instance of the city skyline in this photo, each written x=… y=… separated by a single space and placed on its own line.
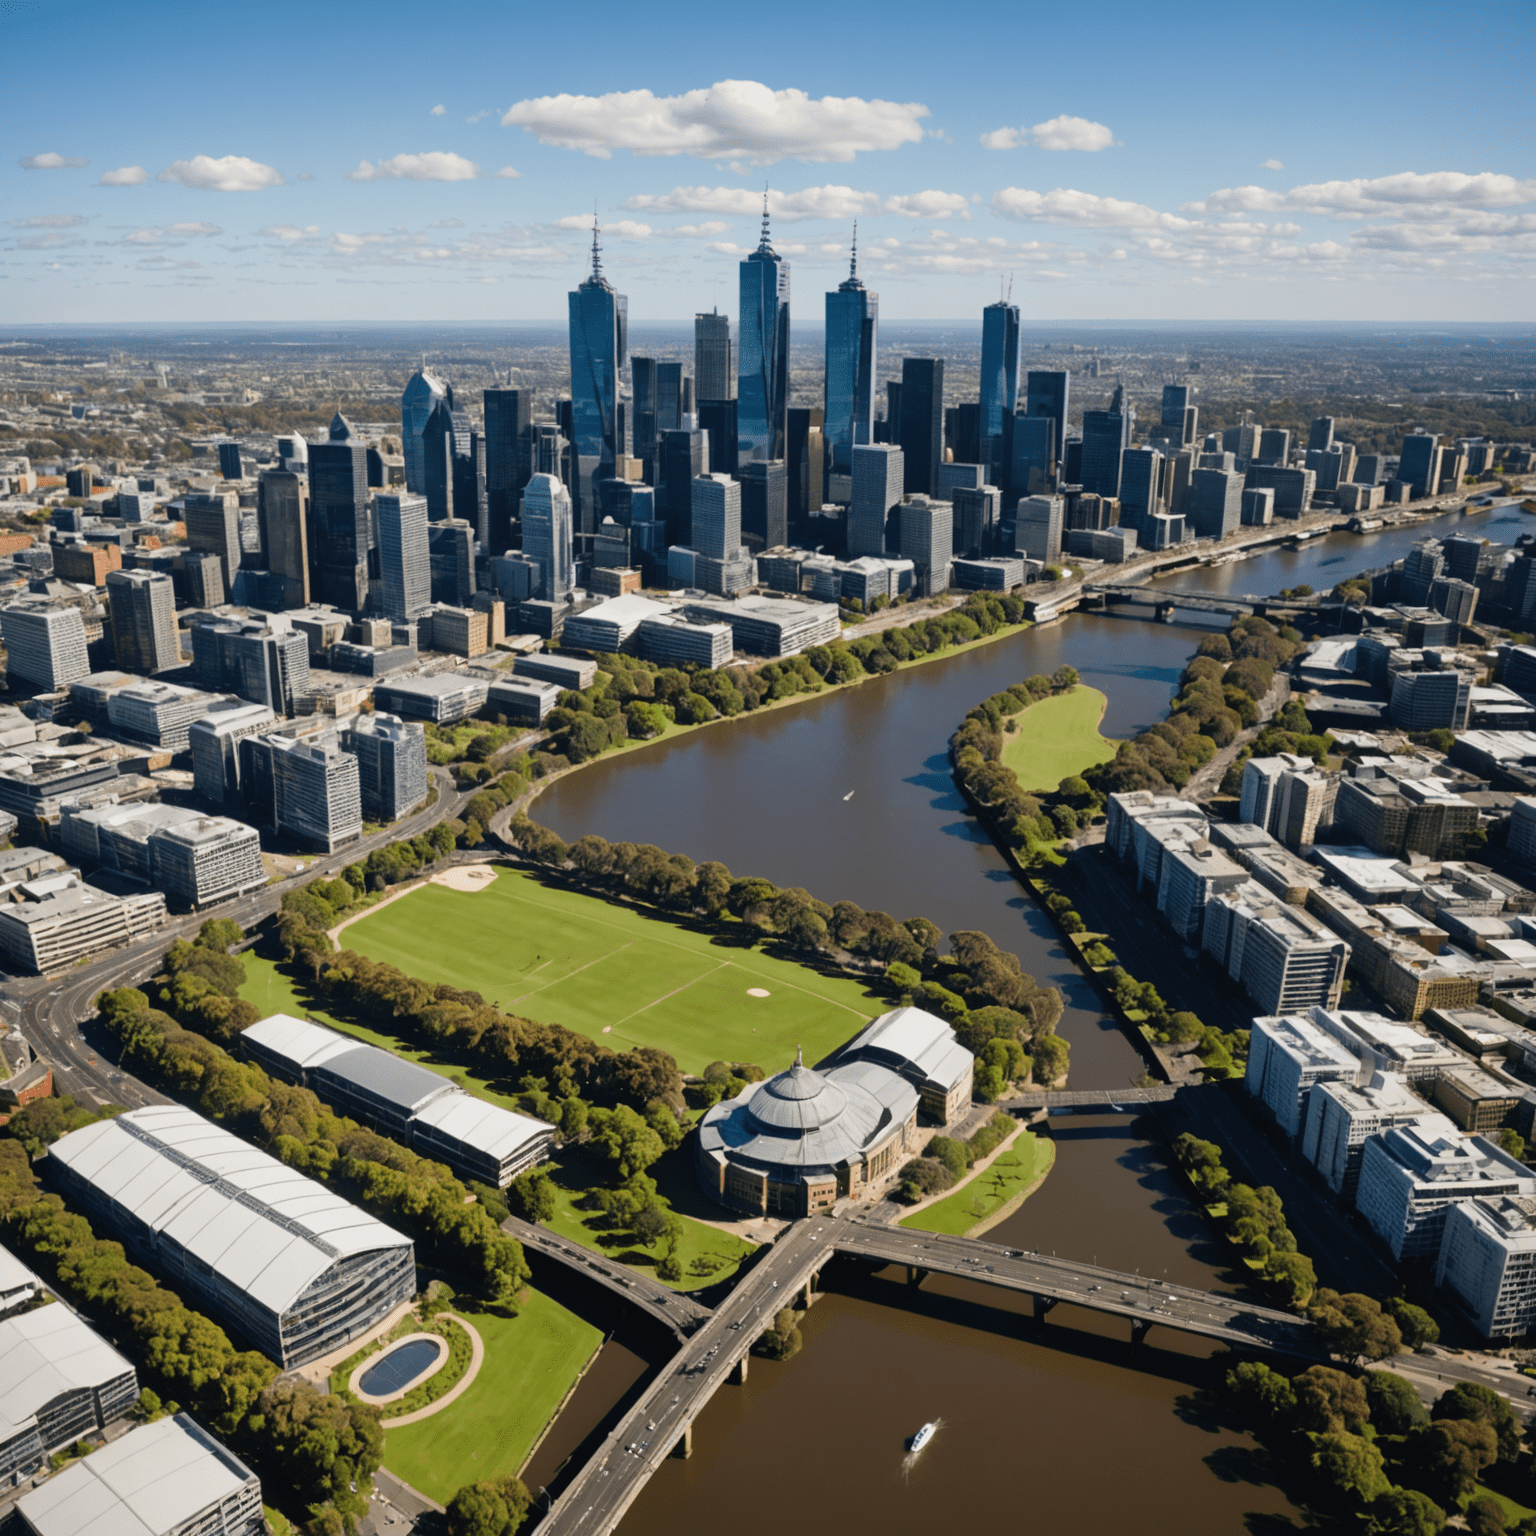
x=458 y=194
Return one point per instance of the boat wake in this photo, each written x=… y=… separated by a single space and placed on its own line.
x=917 y=1443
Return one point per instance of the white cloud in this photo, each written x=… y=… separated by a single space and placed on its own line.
x=705 y=231
x=124 y=176
x=227 y=173
x=1085 y=209
x=348 y=245
x=625 y=228
x=435 y=165
x=1057 y=133
x=195 y=229
x=510 y=173
x=439 y=110
x=824 y=202
x=290 y=232
x=732 y=119
x=50 y=160
x=1272 y=165
x=1381 y=194
x=53 y=221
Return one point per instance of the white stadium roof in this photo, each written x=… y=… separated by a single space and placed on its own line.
x=306 y=1045
x=487 y=1127
x=260 y=1226
x=45 y=1354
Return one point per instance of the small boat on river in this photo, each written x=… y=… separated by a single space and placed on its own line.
x=922 y=1437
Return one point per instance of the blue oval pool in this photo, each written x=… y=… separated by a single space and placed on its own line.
x=401 y=1366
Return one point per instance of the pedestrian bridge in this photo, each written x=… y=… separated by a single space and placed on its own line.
x=1081 y=1098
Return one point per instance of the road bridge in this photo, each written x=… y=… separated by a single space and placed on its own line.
x=660 y=1423
x=681 y=1313
x=1166 y=599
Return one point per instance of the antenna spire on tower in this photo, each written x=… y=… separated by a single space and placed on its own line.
x=763 y=243
x=853 y=255
x=597 y=249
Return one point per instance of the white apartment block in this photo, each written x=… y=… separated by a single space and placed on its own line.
x=1488 y=1262
x=1342 y=1116
x=1287 y=1057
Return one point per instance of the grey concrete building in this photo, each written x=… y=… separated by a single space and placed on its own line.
x=392 y=764
x=45 y=644
x=142 y=609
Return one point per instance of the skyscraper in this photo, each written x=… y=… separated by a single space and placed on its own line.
x=1031 y=469
x=878 y=472
x=1046 y=393
x=927 y=540
x=642 y=418
x=977 y=512
x=716 y=516
x=1141 y=471
x=922 y=422
x=1106 y=435
x=422 y=392
x=1178 y=419
x=806 y=465
x=713 y=376
x=762 y=398
x=451 y=546
x=404 y=557
x=143 y=613
x=547 y=521
x=764 y=505
x=684 y=456
x=338 y=519
x=1215 y=503
x=213 y=526
x=1320 y=433
x=717 y=420
x=508 y=458
x=1419 y=464
x=599 y=325
x=282 y=521
x=999 y=381
x=852 y=315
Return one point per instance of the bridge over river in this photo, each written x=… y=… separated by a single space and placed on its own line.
x=660 y=1423
x=1082 y=1098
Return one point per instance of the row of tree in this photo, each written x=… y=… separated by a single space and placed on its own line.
x=1366 y=1445
x=421 y=1197
x=318 y=1445
x=946 y=1159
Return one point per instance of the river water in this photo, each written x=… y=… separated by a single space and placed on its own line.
x=849 y=796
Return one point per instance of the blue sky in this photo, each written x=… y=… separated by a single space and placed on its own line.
x=403 y=162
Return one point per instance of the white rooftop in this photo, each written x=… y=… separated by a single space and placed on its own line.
x=304 y=1044
x=486 y=1127
x=43 y=1355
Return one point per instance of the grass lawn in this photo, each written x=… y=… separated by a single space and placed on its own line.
x=1056 y=737
x=1029 y=1158
x=531 y=1362
x=621 y=976
x=1513 y=1510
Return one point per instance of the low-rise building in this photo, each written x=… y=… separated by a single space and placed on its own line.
x=1284 y=958
x=50 y=922
x=672 y=641
x=573 y=672
x=1476 y=1100
x=769 y=626
x=523 y=700
x=613 y=626
x=19 y=1287
x=923 y=1049
x=441 y=697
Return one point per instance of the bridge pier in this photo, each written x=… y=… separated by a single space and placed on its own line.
x=812 y=1285
x=684 y=1447
x=1139 y=1331
x=916 y=1276
x=1043 y=1305
x=739 y=1372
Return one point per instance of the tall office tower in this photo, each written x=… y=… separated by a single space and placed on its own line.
x=978 y=510
x=683 y=457
x=922 y=422
x=999 y=382
x=1242 y=441
x=713 y=376
x=439 y=444
x=451 y=547
x=508 y=460
x=282 y=520
x=1046 y=393
x=1141 y=478
x=391 y=758
x=716 y=516
x=405 y=561
x=1419 y=463
x=1215 y=503
x=1274 y=445
x=764 y=505
x=1037 y=528
x=852 y=319
x=338 y=519
x=599 y=324
x=421 y=394
x=878 y=472
x=1179 y=419
x=642 y=418
x=468 y=466
x=1334 y=466
x=1033 y=449
x=547 y=524
x=1106 y=436
x=892 y=412
x=213 y=526
x=671 y=387
x=962 y=435
x=548 y=449
x=230 y=467
x=143 y=612
x=927 y=540
x=806 y=466
x=45 y=646
x=717 y=420
x=315 y=788
x=1320 y=433
x=762 y=370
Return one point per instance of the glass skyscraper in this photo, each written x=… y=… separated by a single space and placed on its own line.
x=852 y=314
x=922 y=422
x=999 y=379
x=1106 y=436
x=547 y=535
x=599 y=336
x=421 y=394
x=405 y=562
x=1046 y=393
x=713 y=376
x=762 y=396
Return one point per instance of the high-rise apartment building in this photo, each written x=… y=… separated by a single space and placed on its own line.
x=547 y=519
x=392 y=764
x=852 y=320
x=927 y=540
x=716 y=516
x=713 y=376
x=315 y=786
x=762 y=395
x=421 y=395
x=213 y=525
x=922 y=423
x=999 y=383
x=142 y=606
x=405 y=565
x=878 y=473
x=215 y=742
x=282 y=521
x=338 y=519
x=599 y=331
x=44 y=645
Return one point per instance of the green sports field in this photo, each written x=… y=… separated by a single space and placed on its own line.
x=1056 y=737
x=618 y=975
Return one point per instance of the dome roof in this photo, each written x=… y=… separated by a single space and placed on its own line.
x=797 y=1100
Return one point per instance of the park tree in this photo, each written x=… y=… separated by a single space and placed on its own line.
x=573 y=1120
x=1471 y=1402
x=1485 y=1516
x=1405 y=1512
x=1452 y=1455
x=532 y=1196
x=1354 y=1326
x=1263 y=1398
x=1349 y=1466
x=1413 y=1322
x=496 y=1507
x=1330 y=1402
x=630 y=1145
x=1396 y=1407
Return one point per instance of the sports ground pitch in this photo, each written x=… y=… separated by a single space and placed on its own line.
x=617 y=974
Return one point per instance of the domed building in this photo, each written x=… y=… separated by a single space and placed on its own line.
x=803 y=1140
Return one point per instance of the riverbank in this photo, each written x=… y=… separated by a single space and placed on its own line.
x=976 y=1204
x=1056 y=737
